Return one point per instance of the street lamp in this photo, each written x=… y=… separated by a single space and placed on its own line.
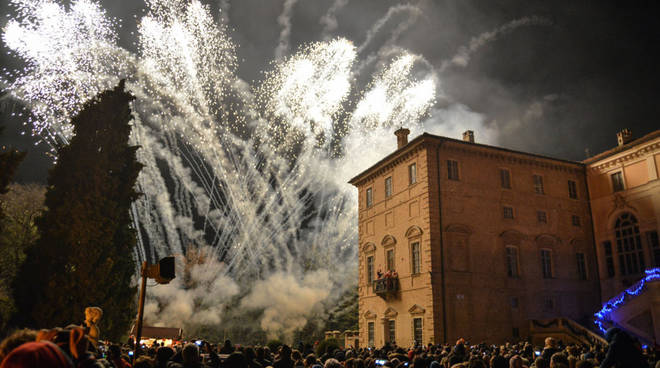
x=163 y=273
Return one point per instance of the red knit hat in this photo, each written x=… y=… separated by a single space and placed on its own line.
x=37 y=354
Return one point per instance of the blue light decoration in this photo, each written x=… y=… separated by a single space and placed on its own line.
x=614 y=303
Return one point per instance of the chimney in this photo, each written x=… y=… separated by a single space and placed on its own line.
x=401 y=137
x=623 y=137
x=468 y=136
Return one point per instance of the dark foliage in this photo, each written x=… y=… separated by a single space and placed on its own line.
x=84 y=256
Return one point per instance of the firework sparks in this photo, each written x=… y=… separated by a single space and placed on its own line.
x=262 y=213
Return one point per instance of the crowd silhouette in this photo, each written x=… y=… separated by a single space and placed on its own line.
x=73 y=347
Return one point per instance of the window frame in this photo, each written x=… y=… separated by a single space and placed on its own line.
x=538 y=184
x=653 y=243
x=629 y=245
x=369 y=197
x=388 y=186
x=412 y=173
x=572 y=189
x=541 y=217
x=391 y=330
x=505 y=184
x=369 y=266
x=549 y=304
x=415 y=329
x=618 y=185
x=512 y=251
x=371 y=333
x=581 y=260
x=415 y=258
x=576 y=221
x=546 y=263
x=609 y=259
x=389 y=251
x=453 y=172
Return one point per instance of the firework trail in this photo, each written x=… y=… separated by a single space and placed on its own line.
x=462 y=57
x=254 y=176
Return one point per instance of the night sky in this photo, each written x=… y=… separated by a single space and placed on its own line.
x=557 y=86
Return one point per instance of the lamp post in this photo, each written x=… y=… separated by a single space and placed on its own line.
x=163 y=273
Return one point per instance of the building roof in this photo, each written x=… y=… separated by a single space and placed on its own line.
x=431 y=137
x=622 y=148
x=173 y=333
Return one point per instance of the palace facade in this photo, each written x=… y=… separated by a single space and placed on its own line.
x=459 y=239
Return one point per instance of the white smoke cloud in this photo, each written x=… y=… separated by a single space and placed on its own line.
x=391 y=12
x=197 y=297
x=284 y=20
x=288 y=302
x=453 y=120
x=329 y=19
x=462 y=57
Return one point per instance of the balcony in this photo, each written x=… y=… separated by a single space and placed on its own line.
x=386 y=286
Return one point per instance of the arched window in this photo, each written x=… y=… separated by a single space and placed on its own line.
x=629 y=245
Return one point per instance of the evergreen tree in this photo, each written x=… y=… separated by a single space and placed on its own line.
x=9 y=161
x=84 y=255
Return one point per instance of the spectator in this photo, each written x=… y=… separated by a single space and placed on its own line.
x=16 y=339
x=284 y=358
x=35 y=355
x=622 y=351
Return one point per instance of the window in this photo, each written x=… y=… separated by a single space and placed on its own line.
x=629 y=245
x=390 y=259
x=370 y=270
x=575 y=220
x=512 y=261
x=416 y=261
x=548 y=304
x=370 y=333
x=654 y=247
x=391 y=331
x=538 y=184
x=609 y=258
x=412 y=174
x=452 y=170
x=417 y=330
x=572 y=189
x=370 y=197
x=617 y=182
x=388 y=186
x=514 y=302
x=515 y=332
x=505 y=178
x=546 y=263
x=541 y=217
x=507 y=212
x=581 y=266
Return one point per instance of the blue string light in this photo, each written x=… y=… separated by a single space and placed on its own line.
x=614 y=303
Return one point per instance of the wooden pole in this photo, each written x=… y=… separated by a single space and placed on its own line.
x=138 y=333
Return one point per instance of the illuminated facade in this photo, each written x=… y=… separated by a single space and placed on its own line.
x=625 y=200
x=482 y=239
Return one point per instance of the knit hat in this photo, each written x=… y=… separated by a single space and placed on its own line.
x=37 y=354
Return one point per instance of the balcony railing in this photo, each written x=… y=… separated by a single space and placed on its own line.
x=386 y=286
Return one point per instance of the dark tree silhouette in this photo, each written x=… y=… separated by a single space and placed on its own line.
x=84 y=256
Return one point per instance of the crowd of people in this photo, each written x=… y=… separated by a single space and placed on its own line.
x=72 y=347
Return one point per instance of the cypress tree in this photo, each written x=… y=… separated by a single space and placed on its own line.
x=85 y=253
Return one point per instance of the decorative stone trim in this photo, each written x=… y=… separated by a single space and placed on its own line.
x=416 y=310
x=617 y=162
x=414 y=231
x=388 y=240
x=390 y=313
